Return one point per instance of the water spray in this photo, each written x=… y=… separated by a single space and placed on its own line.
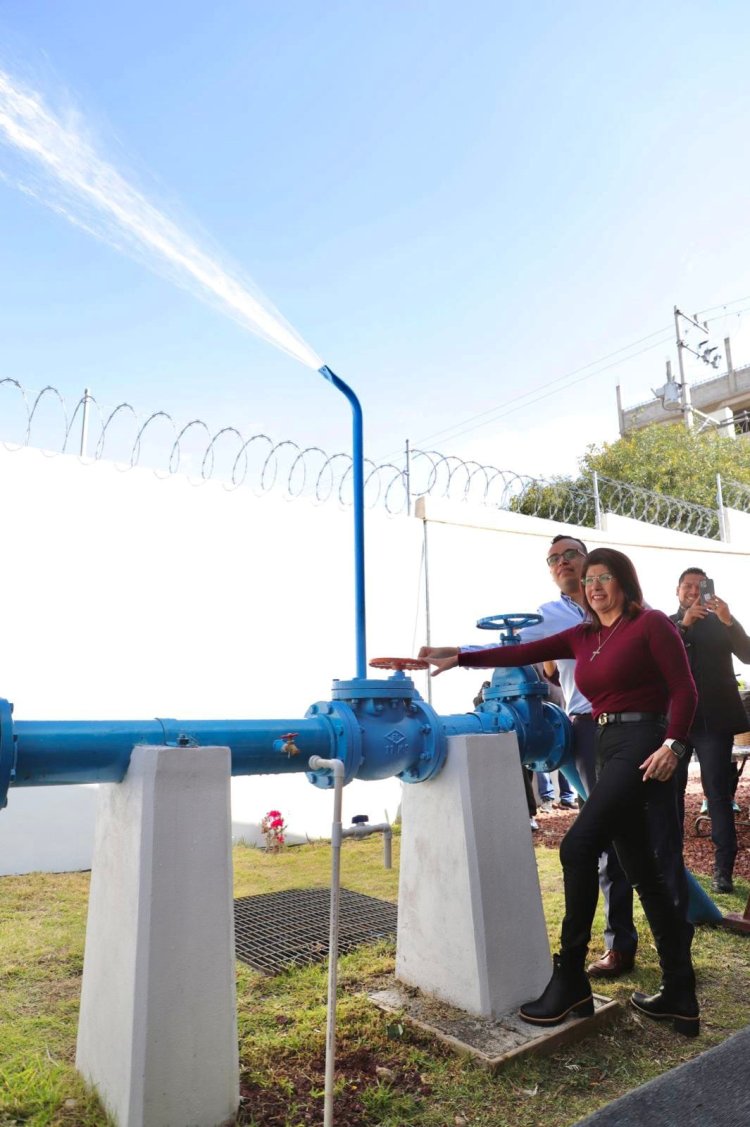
x=64 y=172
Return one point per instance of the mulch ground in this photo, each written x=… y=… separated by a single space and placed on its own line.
x=698 y=848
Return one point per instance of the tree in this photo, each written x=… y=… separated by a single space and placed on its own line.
x=665 y=461
x=672 y=460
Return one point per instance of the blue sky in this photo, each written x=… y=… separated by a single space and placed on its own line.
x=454 y=205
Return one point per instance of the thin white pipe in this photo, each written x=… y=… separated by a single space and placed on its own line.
x=366 y=829
x=336 y=766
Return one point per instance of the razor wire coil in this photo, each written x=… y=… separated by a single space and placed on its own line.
x=159 y=443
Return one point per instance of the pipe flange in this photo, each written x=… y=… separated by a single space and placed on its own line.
x=397 y=687
x=7 y=750
x=559 y=750
x=434 y=746
x=345 y=740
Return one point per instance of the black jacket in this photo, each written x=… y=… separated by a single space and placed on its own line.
x=710 y=645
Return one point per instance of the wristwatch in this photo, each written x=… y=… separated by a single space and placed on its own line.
x=677 y=747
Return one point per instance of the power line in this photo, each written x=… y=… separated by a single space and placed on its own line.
x=506 y=407
x=713 y=308
x=473 y=422
x=728 y=313
x=549 y=394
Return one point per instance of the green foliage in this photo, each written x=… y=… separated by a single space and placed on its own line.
x=667 y=460
x=672 y=460
x=566 y=499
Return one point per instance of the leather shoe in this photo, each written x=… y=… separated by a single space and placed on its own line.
x=611 y=965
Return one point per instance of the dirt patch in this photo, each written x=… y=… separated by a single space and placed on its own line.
x=698 y=849
x=301 y=1096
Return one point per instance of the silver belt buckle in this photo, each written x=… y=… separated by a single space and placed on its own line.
x=602 y=718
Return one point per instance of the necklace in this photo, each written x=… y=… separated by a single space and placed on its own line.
x=602 y=644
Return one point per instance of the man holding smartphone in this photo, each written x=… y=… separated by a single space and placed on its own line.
x=711 y=636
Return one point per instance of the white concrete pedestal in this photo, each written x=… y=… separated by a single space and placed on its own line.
x=471 y=928
x=157 y=1035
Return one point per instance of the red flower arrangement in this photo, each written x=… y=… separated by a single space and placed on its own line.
x=272 y=827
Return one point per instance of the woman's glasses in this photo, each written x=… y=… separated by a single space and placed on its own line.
x=568 y=555
x=589 y=580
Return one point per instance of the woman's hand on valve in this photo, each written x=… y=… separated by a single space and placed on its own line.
x=442 y=657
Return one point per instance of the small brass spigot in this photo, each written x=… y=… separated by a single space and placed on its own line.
x=289 y=747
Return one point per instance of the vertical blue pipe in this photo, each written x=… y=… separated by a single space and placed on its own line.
x=358 y=481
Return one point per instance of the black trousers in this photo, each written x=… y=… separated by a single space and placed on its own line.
x=619 y=930
x=718 y=776
x=619 y=809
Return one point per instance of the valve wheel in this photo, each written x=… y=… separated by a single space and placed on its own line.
x=509 y=621
x=400 y=663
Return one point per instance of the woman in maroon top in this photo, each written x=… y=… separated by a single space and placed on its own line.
x=631 y=664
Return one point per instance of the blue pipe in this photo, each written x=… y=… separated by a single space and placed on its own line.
x=377 y=728
x=358 y=483
x=50 y=752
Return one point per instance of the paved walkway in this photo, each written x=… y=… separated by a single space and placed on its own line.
x=712 y=1090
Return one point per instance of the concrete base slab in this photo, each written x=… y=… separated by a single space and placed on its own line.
x=492 y=1042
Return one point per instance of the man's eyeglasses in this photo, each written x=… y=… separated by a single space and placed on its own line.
x=589 y=580
x=568 y=555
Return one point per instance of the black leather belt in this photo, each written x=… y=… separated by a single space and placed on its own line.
x=630 y=718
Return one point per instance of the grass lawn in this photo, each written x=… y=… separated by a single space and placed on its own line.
x=386 y=1074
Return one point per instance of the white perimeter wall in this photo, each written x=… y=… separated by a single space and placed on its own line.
x=129 y=596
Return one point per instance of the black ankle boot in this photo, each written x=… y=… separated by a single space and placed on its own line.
x=567 y=992
x=674 y=1002
x=722 y=881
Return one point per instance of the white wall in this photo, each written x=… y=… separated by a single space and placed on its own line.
x=130 y=596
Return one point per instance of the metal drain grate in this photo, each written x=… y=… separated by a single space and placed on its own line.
x=282 y=929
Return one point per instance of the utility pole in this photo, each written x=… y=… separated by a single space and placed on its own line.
x=687 y=407
x=704 y=351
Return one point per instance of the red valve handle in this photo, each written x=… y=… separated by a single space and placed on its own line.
x=398 y=663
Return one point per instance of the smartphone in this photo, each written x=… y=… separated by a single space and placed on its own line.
x=707 y=590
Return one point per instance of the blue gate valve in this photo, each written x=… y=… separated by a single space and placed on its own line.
x=543 y=730
x=378 y=728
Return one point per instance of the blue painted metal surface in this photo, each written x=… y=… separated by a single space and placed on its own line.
x=358 y=485
x=377 y=728
x=544 y=733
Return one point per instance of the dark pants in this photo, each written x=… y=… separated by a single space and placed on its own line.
x=714 y=751
x=619 y=809
x=619 y=930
